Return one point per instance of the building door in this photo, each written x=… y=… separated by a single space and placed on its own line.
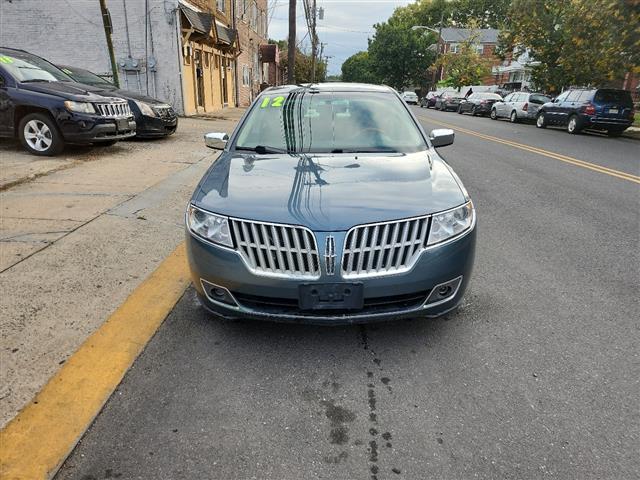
x=197 y=62
x=223 y=78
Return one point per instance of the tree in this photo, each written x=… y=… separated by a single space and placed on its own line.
x=400 y=56
x=357 y=68
x=303 y=64
x=574 y=42
x=466 y=66
x=481 y=13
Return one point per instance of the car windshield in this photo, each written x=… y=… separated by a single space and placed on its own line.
x=85 y=76
x=25 y=67
x=619 y=97
x=304 y=120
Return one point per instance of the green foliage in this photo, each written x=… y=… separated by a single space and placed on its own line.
x=303 y=67
x=357 y=68
x=576 y=42
x=466 y=67
x=398 y=55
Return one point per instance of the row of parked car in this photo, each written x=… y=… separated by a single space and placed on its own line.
x=603 y=109
x=47 y=106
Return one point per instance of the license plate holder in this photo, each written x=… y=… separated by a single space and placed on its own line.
x=122 y=124
x=331 y=296
x=613 y=110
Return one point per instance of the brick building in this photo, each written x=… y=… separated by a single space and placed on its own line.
x=251 y=24
x=485 y=40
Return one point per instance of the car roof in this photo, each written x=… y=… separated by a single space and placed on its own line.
x=332 y=87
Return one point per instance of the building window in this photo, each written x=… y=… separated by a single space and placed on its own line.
x=205 y=56
x=220 y=5
x=254 y=16
x=453 y=48
x=245 y=75
x=480 y=49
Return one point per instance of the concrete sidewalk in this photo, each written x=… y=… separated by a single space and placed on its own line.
x=78 y=233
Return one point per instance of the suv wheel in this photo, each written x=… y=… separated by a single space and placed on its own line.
x=39 y=135
x=493 y=115
x=474 y=111
x=513 y=118
x=573 y=126
x=541 y=122
x=460 y=109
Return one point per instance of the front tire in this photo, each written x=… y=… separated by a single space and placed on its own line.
x=541 y=121
x=573 y=126
x=493 y=115
x=474 y=111
x=513 y=118
x=39 y=135
x=460 y=109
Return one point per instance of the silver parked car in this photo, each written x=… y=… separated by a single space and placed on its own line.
x=519 y=106
x=410 y=97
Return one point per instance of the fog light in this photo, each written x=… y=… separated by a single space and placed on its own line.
x=217 y=294
x=443 y=292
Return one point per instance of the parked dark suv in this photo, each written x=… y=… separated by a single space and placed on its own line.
x=154 y=118
x=45 y=108
x=599 y=109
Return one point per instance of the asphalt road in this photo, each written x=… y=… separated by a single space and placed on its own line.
x=537 y=376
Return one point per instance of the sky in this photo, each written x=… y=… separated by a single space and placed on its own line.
x=346 y=26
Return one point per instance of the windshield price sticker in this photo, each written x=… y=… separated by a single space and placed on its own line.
x=5 y=59
x=268 y=102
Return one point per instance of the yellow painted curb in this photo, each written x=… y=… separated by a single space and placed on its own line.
x=36 y=442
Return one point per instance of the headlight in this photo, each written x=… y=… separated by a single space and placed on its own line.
x=209 y=226
x=451 y=223
x=145 y=108
x=80 y=107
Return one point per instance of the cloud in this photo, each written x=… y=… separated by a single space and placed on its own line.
x=346 y=26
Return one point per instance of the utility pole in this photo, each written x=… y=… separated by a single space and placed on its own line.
x=108 y=28
x=320 y=57
x=291 y=48
x=314 y=41
x=435 y=67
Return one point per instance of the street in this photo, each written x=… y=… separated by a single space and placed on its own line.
x=537 y=375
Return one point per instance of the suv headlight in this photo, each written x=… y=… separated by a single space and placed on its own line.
x=145 y=108
x=80 y=107
x=451 y=223
x=209 y=226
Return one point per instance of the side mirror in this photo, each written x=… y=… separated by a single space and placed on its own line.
x=216 y=140
x=441 y=137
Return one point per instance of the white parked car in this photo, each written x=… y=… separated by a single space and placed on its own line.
x=410 y=97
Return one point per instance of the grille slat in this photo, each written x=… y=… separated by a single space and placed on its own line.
x=277 y=250
x=114 y=110
x=383 y=248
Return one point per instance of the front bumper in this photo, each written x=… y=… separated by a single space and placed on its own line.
x=82 y=128
x=151 y=127
x=386 y=297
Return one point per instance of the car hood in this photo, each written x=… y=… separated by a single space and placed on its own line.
x=328 y=192
x=126 y=94
x=68 y=90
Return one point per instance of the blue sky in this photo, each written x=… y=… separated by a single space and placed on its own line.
x=346 y=26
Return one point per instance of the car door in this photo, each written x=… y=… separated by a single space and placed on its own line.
x=501 y=107
x=552 y=111
x=7 y=106
x=468 y=103
x=568 y=106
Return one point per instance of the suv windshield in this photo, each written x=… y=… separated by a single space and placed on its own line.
x=88 y=78
x=303 y=120
x=25 y=67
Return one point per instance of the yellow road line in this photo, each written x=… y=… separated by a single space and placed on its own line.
x=557 y=156
x=36 y=442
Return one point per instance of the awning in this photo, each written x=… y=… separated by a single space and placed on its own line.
x=201 y=22
x=226 y=35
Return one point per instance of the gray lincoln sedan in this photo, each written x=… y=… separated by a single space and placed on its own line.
x=330 y=205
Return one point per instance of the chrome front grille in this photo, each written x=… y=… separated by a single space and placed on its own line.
x=384 y=248
x=277 y=250
x=114 y=109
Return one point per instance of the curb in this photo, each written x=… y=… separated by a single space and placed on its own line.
x=38 y=440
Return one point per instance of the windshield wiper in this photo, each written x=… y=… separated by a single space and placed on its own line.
x=262 y=149
x=364 y=150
